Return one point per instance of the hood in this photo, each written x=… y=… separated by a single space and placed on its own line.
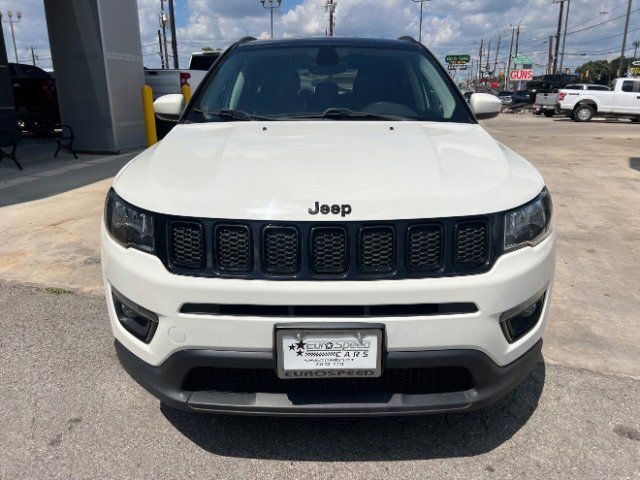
x=279 y=170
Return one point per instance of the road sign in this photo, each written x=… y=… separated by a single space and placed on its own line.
x=636 y=63
x=456 y=66
x=457 y=59
x=634 y=70
x=525 y=75
x=523 y=59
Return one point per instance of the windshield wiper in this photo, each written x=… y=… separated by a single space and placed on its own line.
x=228 y=114
x=342 y=113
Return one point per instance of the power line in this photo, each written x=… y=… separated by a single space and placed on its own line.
x=601 y=23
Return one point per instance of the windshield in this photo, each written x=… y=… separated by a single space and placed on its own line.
x=360 y=82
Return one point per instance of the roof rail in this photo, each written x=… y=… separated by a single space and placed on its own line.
x=246 y=40
x=407 y=38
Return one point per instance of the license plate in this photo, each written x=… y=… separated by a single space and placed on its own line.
x=328 y=353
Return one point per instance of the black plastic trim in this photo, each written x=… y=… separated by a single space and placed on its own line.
x=337 y=311
x=165 y=382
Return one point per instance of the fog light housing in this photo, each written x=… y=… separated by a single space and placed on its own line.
x=518 y=321
x=138 y=321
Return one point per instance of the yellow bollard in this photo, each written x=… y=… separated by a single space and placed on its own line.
x=185 y=88
x=149 y=115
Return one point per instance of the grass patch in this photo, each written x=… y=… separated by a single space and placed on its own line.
x=58 y=291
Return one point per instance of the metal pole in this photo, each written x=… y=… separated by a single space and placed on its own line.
x=517 y=40
x=550 y=62
x=13 y=36
x=331 y=10
x=33 y=56
x=564 y=37
x=557 y=50
x=420 y=33
x=163 y=22
x=160 y=52
x=174 y=42
x=624 y=38
x=506 y=76
x=271 y=15
x=480 y=63
x=636 y=44
x=495 y=63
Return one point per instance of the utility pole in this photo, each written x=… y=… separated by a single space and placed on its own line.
x=174 y=42
x=480 y=62
x=163 y=46
x=421 y=2
x=517 y=39
x=33 y=56
x=506 y=74
x=624 y=38
x=330 y=7
x=11 y=21
x=550 y=62
x=564 y=37
x=160 y=50
x=495 y=62
x=635 y=44
x=488 y=66
x=557 y=49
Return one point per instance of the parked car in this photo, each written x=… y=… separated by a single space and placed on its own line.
x=547 y=103
x=549 y=84
x=522 y=96
x=505 y=97
x=623 y=100
x=35 y=98
x=295 y=246
x=166 y=81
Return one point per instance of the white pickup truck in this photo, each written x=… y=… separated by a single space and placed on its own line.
x=167 y=81
x=623 y=100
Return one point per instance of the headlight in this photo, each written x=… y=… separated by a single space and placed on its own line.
x=529 y=224
x=130 y=226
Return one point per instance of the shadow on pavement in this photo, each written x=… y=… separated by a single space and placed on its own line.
x=44 y=176
x=634 y=162
x=364 y=439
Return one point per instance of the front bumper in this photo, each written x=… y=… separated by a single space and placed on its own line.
x=490 y=382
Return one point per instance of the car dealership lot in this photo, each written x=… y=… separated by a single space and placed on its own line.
x=70 y=411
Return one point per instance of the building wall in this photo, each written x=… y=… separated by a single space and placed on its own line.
x=97 y=60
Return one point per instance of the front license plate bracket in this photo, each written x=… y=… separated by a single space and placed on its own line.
x=329 y=350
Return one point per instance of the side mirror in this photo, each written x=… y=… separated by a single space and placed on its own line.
x=169 y=107
x=485 y=105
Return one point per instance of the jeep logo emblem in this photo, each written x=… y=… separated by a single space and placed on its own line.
x=343 y=210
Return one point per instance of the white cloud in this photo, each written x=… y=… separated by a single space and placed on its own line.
x=449 y=26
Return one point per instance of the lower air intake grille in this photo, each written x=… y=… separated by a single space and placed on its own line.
x=187 y=246
x=411 y=381
x=471 y=244
x=377 y=250
x=424 y=248
x=233 y=248
x=329 y=250
x=281 y=250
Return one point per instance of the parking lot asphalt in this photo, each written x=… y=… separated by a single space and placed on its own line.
x=68 y=410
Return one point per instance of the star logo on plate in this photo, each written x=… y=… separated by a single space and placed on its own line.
x=300 y=345
x=292 y=346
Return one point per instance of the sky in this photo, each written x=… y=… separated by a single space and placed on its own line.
x=449 y=26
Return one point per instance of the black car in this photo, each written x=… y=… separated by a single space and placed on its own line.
x=35 y=98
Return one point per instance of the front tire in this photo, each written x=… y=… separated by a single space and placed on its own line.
x=583 y=113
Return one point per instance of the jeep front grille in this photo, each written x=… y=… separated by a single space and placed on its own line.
x=343 y=251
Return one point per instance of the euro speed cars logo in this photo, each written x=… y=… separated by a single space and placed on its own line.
x=333 y=353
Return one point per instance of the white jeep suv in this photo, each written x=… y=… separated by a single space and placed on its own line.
x=327 y=230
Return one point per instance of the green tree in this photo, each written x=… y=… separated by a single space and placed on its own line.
x=596 y=71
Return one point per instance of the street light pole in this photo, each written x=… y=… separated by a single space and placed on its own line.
x=272 y=4
x=421 y=2
x=11 y=21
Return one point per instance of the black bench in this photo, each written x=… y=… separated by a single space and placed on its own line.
x=65 y=139
x=8 y=146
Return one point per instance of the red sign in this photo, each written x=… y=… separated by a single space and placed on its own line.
x=524 y=75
